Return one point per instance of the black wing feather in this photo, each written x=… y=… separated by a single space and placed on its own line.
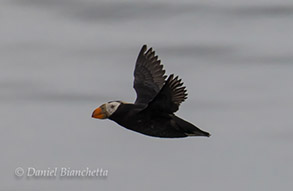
x=172 y=94
x=149 y=76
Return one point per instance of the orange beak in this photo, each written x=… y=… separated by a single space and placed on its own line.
x=99 y=114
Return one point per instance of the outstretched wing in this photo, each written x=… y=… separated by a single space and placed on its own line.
x=149 y=76
x=172 y=94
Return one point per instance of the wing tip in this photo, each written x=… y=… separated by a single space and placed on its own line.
x=180 y=91
x=143 y=48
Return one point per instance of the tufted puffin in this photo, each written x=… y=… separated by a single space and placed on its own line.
x=157 y=99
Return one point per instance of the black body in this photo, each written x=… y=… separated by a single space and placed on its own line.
x=152 y=123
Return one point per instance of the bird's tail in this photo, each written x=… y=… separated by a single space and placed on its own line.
x=190 y=129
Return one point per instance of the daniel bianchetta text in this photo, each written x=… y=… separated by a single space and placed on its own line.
x=61 y=172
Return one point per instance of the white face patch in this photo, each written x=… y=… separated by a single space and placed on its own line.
x=111 y=107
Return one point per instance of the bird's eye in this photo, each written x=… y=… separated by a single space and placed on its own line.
x=112 y=106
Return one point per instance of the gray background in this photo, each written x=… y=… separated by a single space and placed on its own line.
x=60 y=59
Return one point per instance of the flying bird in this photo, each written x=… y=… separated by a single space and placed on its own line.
x=157 y=100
